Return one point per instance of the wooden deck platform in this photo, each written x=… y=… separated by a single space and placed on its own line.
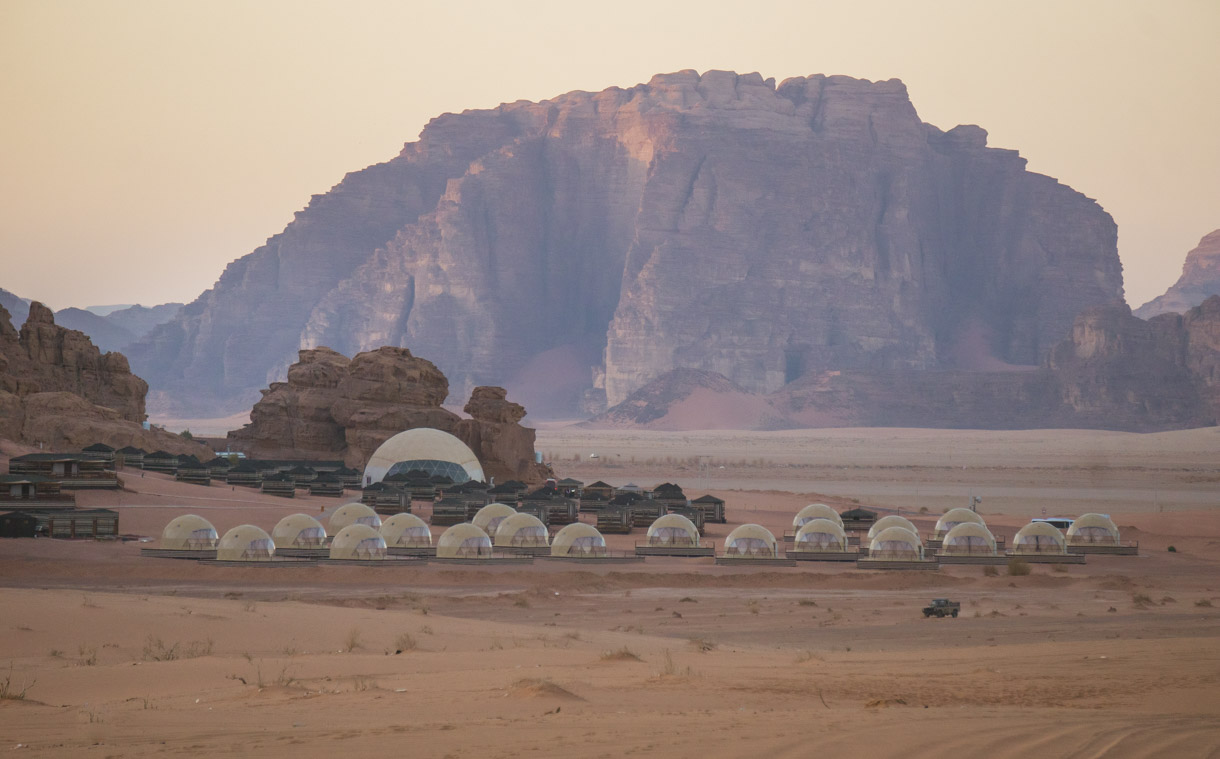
x=726 y=561
x=823 y=555
x=886 y=564
x=686 y=552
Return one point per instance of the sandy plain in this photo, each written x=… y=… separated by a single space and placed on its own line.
x=130 y=656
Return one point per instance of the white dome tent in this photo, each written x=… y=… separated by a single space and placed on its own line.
x=429 y=450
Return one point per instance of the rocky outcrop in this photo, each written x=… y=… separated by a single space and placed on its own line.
x=335 y=407
x=58 y=390
x=718 y=222
x=1200 y=279
x=1115 y=371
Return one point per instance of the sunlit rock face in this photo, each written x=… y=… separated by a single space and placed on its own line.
x=1200 y=280
x=717 y=222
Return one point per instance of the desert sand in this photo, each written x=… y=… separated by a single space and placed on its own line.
x=121 y=655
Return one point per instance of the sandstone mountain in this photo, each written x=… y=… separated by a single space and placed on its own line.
x=335 y=407
x=577 y=248
x=58 y=389
x=1114 y=371
x=1200 y=279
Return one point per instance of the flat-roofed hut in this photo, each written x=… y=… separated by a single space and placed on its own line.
x=578 y=540
x=278 y=484
x=858 y=519
x=245 y=542
x=31 y=491
x=405 y=530
x=522 y=531
x=1093 y=529
x=101 y=451
x=130 y=456
x=463 y=541
x=712 y=508
x=820 y=535
x=968 y=539
x=952 y=518
x=1038 y=538
x=815 y=511
x=358 y=542
x=750 y=541
x=298 y=531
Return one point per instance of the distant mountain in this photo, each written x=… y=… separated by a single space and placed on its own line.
x=110 y=328
x=107 y=310
x=1200 y=279
x=727 y=223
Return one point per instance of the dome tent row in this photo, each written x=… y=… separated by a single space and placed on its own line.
x=750 y=541
x=1038 y=538
x=245 y=542
x=353 y=513
x=406 y=531
x=820 y=535
x=816 y=511
x=463 y=541
x=895 y=543
x=673 y=530
x=893 y=520
x=953 y=517
x=522 y=531
x=358 y=542
x=489 y=517
x=189 y=533
x=425 y=449
x=969 y=539
x=578 y=540
x=1093 y=529
x=298 y=531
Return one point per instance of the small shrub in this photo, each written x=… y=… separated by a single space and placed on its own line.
x=1018 y=568
x=12 y=692
x=405 y=642
x=1059 y=568
x=702 y=645
x=806 y=602
x=923 y=509
x=352 y=641
x=622 y=654
x=990 y=571
x=1204 y=603
x=687 y=600
x=1172 y=549
x=87 y=655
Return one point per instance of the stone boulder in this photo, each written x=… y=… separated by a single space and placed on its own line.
x=333 y=407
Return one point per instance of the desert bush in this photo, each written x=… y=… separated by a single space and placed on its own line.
x=405 y=642
x=621 y=654
x=1018 y=568
x=1172 y=549
x=990 y=571
x=9 y=691
x=87 y=655
x=1204 y=603
x=353 y=640
x=155 y=649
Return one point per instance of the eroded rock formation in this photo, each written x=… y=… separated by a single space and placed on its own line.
x=58 y=389
x=1200 y=279
x=335 y=407
x=718 y=222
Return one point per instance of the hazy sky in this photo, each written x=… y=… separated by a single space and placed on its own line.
x=144 y=145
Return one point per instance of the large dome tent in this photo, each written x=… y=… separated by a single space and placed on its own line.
x=245 y=542
x=428 y=450
x=816 y=511
x=358 y=542
x=189 y=533
x=353 y=513
x=298 y=531
x=406 y=531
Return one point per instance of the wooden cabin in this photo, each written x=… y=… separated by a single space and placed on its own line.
x=193 y=471
x=505 y=493
x=616 y=520
x=219 y=467
x=560 y=510
x=326 y=484
x=161 y=461
x=279 y=484
x=670 y=495
x=70 y=470
x=101 y=451
x=79 y=523
x=570 y=488
x=350 y=478
x=539 y=509
x=18 y=524
x=695 y=515
x=712 y=508
x=384 y=498
x=645 y=511
x=244 y=473
x=449 y=511
x=130 y=456
x=27 y=492
x=301 y=474
x=858 y=519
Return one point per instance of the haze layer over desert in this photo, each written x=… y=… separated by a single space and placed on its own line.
x=121 y=655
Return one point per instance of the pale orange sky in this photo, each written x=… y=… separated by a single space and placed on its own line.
x=144 y=145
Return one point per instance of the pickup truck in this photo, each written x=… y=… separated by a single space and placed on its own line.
x=942 y=607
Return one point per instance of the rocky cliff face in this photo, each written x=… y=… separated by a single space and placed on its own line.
x=1200 y=279
x=1114 y=371
x=59 y=390
x=335 y=407
x=717 y=222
